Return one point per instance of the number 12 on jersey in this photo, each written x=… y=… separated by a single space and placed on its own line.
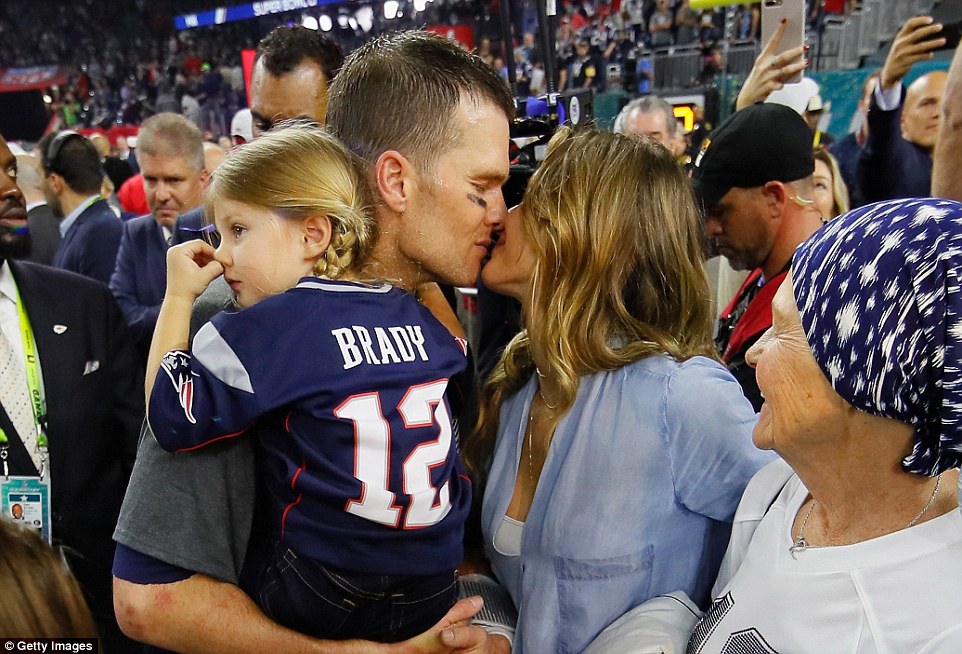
x=422 y=406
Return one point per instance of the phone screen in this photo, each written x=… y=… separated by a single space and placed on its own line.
x=793 y=11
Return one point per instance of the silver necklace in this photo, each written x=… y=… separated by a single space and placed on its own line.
x=541 y=390
x=801 y=544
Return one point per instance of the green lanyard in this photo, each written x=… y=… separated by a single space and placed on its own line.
x=35 y=386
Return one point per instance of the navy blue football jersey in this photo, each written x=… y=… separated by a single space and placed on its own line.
x=345 y=387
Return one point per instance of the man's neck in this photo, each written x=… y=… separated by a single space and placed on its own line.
x=69 y=201
x=798 y=224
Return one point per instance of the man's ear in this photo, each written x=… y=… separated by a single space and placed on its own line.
x=316 y=236
x=776 y=196
x=56 y=183
x=393 y=175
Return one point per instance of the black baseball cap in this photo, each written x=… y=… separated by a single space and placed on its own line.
x=759 y=144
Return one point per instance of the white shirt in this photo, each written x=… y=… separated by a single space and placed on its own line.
x=888 y=100
x=9 y=318
x=896 y=594
x=71 y=217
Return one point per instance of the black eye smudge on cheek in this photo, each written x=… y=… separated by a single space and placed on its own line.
x=478 y=201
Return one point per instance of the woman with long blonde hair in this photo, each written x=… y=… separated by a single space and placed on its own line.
x=612 y=447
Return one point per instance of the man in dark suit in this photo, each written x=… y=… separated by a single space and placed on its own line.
x=44 y=226
x=896 y=161
x=71 y=182
x=91 y=384
x=172 y=163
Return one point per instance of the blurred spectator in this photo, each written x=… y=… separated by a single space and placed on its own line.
x=71 y=183
x=815 y=111
x=43 y=226
x=484 y=50
x=830 y=193
x=651 y=117
x=583 y=68
x=660 y=25
x=686 y=23
x=847 y=149
x=132 y=197
x=240 y=127
x=632 y=12
x=714 y=66
x=747 y=20
x=213 y=156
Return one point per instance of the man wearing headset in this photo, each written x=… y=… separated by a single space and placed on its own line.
x=90 y=229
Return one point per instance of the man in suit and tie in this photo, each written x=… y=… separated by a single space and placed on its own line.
x=72 y=401
x=171 y=151
x=72 y=178
x=44 y=226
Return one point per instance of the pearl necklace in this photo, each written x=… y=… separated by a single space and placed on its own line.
x=800 y=544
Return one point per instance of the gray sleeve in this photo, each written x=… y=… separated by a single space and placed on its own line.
x=192 y=510
x=212 y=301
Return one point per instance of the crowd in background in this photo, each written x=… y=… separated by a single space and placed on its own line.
x=130 y=63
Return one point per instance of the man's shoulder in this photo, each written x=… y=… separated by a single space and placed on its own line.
x=192 y=218
x=140 y=225
x=101 y=210
x=65 y=283
x=41 y=210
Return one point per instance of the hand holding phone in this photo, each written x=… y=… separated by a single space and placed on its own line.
x=787 y=17
x=772 y=70
x=915 y=42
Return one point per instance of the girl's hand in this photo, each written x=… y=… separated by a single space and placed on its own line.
x=191 y=267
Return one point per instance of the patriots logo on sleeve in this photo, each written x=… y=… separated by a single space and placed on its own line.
x=177 y=366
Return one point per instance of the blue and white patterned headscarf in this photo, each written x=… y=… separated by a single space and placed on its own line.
x=879 y=293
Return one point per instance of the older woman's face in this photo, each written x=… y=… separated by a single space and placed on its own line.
x=800 y=406
x=823 y=194
x=512 y=260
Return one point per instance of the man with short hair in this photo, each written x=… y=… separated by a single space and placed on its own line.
x=754 y=179
x=438 y=175
x=651 y=117
x=90 y=229
x=896 y=161
x=292 y=69
x=173 y=168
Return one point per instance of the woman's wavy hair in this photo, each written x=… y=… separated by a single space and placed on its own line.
x=298 y=170
x=41 y=598
x=618 y=274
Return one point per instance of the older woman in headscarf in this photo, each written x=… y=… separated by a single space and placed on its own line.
x=852 y=543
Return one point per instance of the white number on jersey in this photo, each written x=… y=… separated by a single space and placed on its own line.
x=421 y=406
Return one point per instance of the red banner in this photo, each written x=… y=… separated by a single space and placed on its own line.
x=33 y=78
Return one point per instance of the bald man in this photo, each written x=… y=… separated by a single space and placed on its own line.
x=896 y=161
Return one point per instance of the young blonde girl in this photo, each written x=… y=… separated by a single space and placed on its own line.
x=343 y=382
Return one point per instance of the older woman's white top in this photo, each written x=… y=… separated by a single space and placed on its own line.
x=897 y=594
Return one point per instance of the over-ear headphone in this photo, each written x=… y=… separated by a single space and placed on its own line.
x=49 y=158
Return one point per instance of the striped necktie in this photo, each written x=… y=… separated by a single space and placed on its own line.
x=16 y=399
